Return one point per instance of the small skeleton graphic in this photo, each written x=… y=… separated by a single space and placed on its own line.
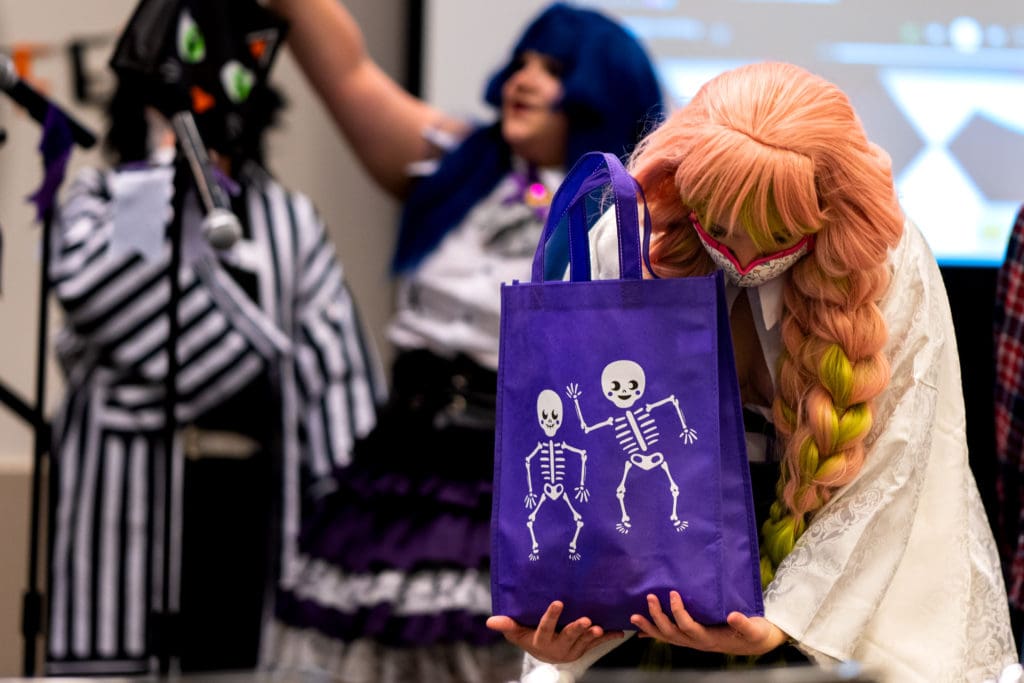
x=623 y=382
x=552 y=469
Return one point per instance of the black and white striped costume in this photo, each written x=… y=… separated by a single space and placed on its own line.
x=108 y=455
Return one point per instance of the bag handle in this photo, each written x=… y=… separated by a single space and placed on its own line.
x=594 y=170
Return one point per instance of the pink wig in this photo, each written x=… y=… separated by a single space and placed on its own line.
x=779 y=151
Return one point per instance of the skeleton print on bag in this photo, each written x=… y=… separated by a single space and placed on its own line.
x=624 y=383
x=551 y=468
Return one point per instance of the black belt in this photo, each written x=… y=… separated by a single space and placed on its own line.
x=453 y=392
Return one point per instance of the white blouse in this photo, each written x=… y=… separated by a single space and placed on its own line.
x=450 y=303
x=899 y=570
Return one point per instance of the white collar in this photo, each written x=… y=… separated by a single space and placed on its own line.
x=770 y=296
x=550 y=176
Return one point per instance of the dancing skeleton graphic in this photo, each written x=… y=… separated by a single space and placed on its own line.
x=623 y=382
x=552 y=467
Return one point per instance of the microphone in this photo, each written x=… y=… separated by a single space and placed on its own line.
x=220 y=225
x=36 y=104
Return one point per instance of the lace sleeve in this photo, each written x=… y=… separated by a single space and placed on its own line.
x=899 y=570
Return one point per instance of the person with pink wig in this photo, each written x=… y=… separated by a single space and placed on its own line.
x=875 y=547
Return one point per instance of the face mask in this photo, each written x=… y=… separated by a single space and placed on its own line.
x=758 y=271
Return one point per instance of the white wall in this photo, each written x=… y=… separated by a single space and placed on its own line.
x=452 y=82
x=307 y=154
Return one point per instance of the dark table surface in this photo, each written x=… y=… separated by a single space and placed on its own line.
x=792 y=674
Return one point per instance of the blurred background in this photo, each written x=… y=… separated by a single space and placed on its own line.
x=939 y=84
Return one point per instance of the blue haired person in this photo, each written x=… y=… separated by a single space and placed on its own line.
x=402 y=546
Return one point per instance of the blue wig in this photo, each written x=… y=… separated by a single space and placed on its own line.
x=611 y=97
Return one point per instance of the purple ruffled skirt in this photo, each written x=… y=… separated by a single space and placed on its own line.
x=402 y=546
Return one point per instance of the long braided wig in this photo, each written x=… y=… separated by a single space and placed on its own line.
x=780 y=151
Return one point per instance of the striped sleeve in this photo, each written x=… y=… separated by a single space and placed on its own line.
x=116 y=304
x=340 y=379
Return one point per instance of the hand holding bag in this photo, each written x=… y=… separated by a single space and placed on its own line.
x=620 y=459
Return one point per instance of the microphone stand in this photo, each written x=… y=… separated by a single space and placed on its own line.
x=32 y=605
x=164 y=617
x=34 y=415
x=221 y=229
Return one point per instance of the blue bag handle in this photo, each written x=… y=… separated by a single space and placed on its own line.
x=594 y=170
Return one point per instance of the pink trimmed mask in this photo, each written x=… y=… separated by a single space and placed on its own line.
x=758 y=271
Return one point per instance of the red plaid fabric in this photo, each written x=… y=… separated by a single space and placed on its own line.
x=1009 y=411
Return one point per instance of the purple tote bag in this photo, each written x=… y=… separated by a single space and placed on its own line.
x=620 y=458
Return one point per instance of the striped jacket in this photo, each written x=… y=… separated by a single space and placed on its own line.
x=108 y=462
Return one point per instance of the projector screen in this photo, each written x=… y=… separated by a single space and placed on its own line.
x=938 y=83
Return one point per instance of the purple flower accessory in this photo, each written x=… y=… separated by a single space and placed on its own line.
x=530 y=191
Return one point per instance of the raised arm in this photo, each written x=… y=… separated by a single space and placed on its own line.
x=382 y=122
